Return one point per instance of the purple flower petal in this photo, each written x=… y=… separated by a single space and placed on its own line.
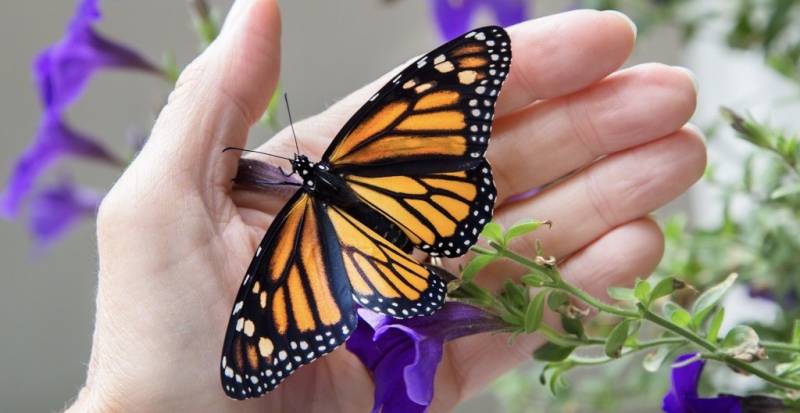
x=403 y=355
x=53 y=141
x=683 y=398
x=719 y=404
x=56 y=209
x=454 y=17
x=509 y=12
x=63 y=69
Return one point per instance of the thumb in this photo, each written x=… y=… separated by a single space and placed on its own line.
x=218 y=97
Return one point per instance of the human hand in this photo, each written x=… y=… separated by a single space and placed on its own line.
x=175 y=238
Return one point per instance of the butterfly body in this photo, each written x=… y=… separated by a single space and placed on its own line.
x=406 y=171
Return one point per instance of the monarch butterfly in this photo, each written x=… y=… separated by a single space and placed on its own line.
x=407 y=170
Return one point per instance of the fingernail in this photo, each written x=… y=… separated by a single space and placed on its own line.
x=692 y=77
x=628 y=19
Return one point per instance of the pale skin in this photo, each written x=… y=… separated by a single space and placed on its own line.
x=175 y=238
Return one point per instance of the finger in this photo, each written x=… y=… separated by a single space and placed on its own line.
x=616 y=258
x=560 y=54
x=219 y=96
x=615 y=190
x=553 y=55
x=627 y=109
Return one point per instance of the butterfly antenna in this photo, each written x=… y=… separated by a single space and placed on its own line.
x=291 y=122
x=233 y=148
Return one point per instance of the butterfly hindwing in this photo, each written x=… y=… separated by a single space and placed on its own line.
x=442 y=213
x=382 y=276
x=294 y=305
x=434 y=118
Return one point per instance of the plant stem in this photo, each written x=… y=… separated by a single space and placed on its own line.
x=777 y=346
x=582 y=295
x=747 y=367
x=669 y=325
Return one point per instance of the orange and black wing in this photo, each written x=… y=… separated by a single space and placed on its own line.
x=295 y=303
x=382 y=276
x=415 y=151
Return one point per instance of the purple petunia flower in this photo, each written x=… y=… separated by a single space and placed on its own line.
x=683 y=397
x=454 y=17
x=56 y=209
x=53 y=141
x=403 y=355
x=63 y=69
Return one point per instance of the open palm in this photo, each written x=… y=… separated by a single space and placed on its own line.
x=175 y=238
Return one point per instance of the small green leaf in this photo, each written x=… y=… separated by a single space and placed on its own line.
x=642 y=291
x=708 y=299
x=535 y=312
x=516 y=295
x=716 y=323
x=621 y=294
x=572 y=326
x=616 y=339
x=556 y=300
x=784 y=191
x=493 y=232
x=475 y=266
x=796 y=333
x=666 y=287
x=534 y=279
x=743 y=343
x=522 y=228
x=653 y=360
x=677 y=314
x=552 y=352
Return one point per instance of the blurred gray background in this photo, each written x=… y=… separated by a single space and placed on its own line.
x=46 y=300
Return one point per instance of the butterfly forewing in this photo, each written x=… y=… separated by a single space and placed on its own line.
x=433 y=118
x=294 y=305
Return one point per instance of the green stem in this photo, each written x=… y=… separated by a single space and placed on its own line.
x=554 y=274
x=668 y=325
x=749 y=368
x=555 y=337
x=777 y=346
x=598 y=304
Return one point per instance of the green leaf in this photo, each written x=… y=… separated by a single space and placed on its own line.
x=796 y=332
x=621 y=294
x=523 y=227
x=534 y=279
x=708 y=299
x=616 y=339
x=535 y=312
x=716 y=323
x=556 y=300
x=573 y=326
x=653 y=360
x=743 y=343
x=666 y=287
x=642 y=291
x=475 y=266
x=784 y=191
x=493 y=232
x=516 y=295
x=677 y=314
x=552 y=353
